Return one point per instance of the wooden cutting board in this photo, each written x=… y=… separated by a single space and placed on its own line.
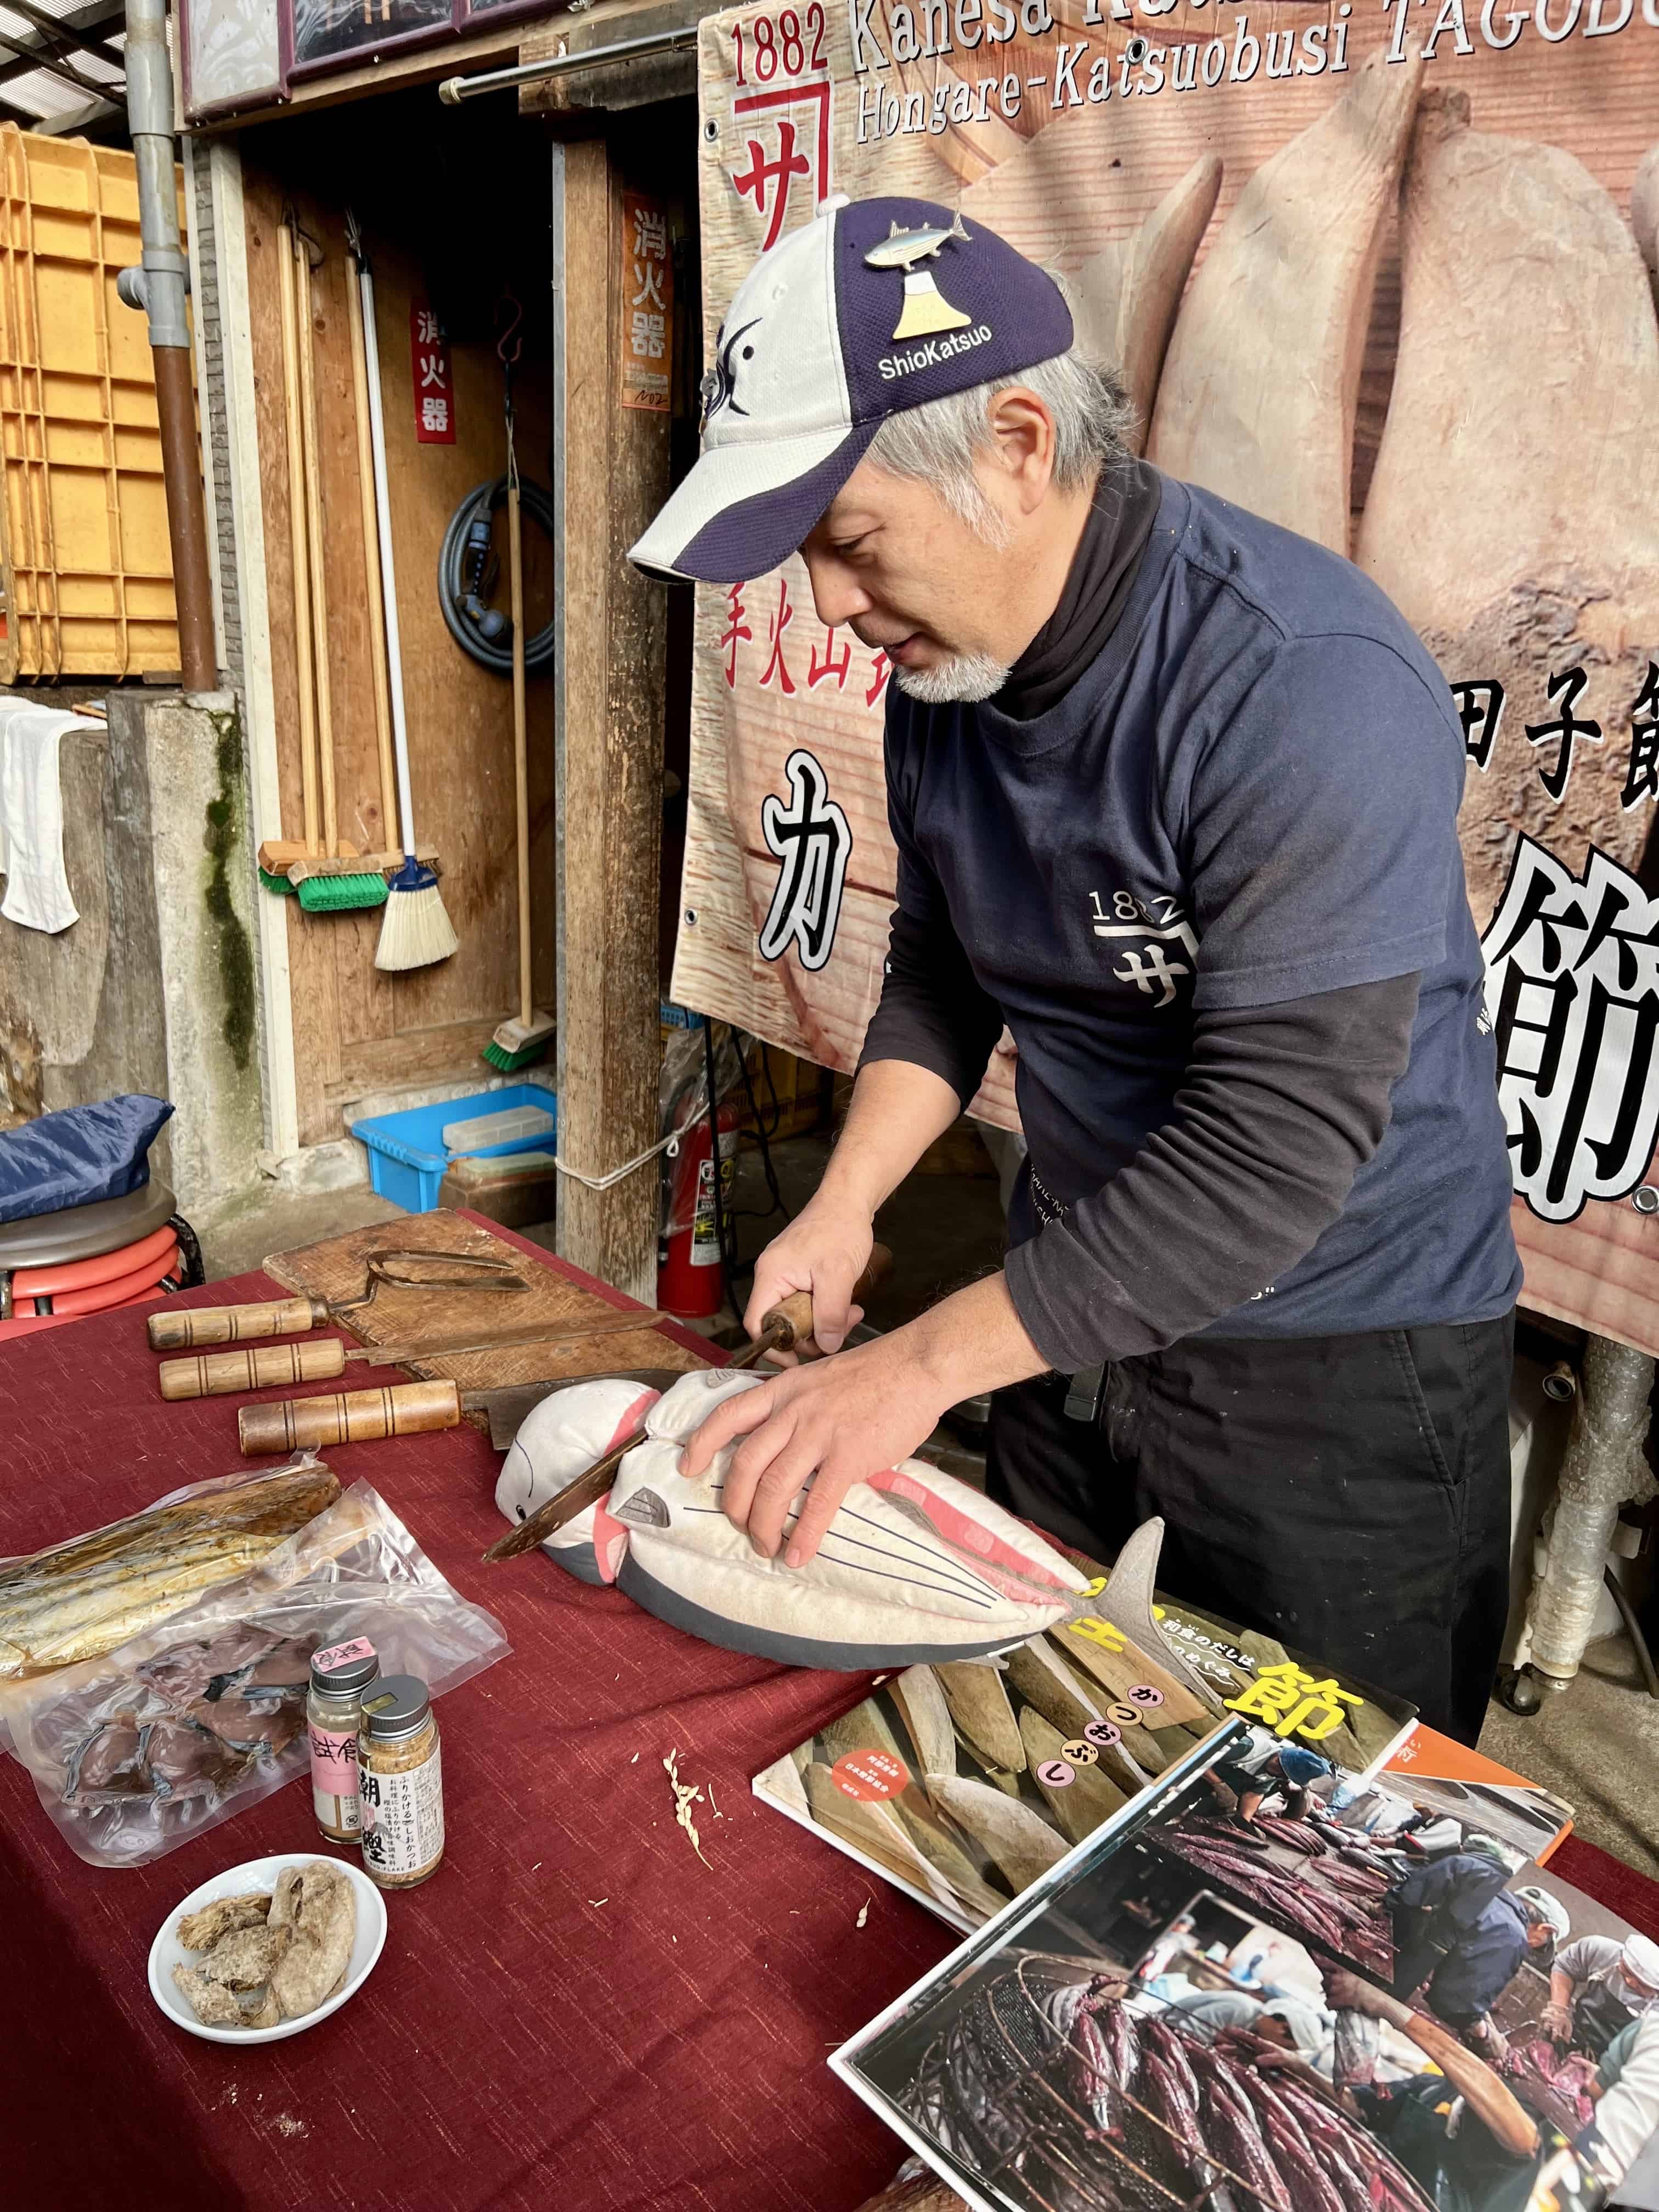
x=337 y=1269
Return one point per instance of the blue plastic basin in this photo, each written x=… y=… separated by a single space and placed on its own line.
x=407 y=1157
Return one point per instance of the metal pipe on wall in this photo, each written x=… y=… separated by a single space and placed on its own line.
x=454 y=89
x=163 y=294
x=1604 y=1466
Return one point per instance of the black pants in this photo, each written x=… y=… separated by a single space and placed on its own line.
x=1348 y=1495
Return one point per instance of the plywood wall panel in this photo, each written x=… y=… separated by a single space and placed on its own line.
x=356 y=1028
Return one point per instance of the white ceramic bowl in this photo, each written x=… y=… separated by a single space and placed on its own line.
x=167 y=1951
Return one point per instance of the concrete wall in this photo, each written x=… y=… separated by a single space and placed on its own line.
x=154 y=988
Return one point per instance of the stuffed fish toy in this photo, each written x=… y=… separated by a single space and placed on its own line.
x=915 y=1567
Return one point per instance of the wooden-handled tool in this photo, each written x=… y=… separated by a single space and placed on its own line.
x=216 y=1375
x=783 y=1326
x=171 y=1332
x=400 y=1270
x=358 y=1417
x=365 y=1416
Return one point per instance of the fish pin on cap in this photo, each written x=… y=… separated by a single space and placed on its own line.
x=926 y=307
x=838 y=325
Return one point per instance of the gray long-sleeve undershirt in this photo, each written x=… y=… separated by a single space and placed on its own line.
x=1281 y=1107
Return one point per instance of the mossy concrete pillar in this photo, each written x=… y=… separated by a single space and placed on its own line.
x=155 y=987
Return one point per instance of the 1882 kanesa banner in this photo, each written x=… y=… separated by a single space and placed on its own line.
x=1382 y=273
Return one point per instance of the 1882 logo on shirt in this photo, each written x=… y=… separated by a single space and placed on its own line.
x=1151 y=942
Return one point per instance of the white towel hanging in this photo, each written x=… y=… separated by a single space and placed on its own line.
x=32 y=818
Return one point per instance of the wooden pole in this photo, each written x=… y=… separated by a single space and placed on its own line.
x=298 y=536
x=611 y=477
x=376 y=605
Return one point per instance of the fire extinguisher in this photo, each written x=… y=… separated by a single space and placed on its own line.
x=690 y=1281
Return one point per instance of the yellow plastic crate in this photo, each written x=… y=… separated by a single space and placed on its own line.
x=84 y=554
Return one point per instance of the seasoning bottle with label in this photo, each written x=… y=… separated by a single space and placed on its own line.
x=400 y=1783
x=333 y=1714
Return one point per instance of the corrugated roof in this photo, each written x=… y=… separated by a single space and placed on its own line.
x=60 y=63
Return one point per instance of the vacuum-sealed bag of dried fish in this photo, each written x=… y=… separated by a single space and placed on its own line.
x=1141 y=2032
x=203 y=1714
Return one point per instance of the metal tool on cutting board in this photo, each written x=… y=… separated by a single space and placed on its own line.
x=782 y=1327
x=411 y=1409
x=218 y=1374
x=175 y=1331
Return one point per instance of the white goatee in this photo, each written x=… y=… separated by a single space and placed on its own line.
x=959 y=681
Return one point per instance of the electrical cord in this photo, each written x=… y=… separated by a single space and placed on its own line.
x=763 y=1137
x=467 y=567
x=727 y=1252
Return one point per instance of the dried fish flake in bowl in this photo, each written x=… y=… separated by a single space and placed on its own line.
x=317 y=1926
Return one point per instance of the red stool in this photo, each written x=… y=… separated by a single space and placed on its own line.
x=88 y=1259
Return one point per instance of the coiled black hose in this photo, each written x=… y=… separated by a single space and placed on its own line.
x=464 y=563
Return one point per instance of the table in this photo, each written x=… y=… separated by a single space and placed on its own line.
x=575 y=2013
x=572 y=2013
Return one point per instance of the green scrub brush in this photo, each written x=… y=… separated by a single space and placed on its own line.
x=332 y=894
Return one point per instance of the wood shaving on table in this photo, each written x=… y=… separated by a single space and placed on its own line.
x=712 y=1807
x=864 y=1914
x=685 y=1796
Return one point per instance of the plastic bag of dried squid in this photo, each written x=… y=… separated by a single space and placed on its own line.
x=203 y=1714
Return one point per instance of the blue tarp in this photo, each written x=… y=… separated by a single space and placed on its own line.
x=80 y=1155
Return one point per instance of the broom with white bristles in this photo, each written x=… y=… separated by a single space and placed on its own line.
x=415 y=929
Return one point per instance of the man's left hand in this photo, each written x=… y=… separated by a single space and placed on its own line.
x=828 y=1425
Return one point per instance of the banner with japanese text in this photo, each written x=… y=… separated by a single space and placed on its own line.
x=1381 y=271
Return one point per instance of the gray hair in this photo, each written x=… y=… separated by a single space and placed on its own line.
x=938 y=442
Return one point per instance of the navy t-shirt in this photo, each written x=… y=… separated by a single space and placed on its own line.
x=1249 y=797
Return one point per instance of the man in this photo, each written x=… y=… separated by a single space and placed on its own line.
x=1173 y=797
x=1626 y=2093
x=1430 y=1835
x=1455 y=2127
x=1290 y=2023
x=1433 y=1907
x=1457 y=1928
x=1262 y=1766
x=1598 y=1986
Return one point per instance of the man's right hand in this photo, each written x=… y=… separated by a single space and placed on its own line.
x=824 y=1250
x=1556 y=2022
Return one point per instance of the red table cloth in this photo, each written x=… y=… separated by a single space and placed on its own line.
x=575 y=2014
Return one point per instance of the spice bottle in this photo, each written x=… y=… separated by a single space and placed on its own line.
x=400 y=1781
x=333 y=1714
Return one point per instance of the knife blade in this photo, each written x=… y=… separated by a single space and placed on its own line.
x=508 y=1405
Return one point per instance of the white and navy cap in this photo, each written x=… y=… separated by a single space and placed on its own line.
x=873 y=306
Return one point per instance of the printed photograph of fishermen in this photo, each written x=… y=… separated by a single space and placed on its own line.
x=1450 y=2028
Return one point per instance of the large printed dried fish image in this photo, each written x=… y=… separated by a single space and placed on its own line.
x=1125 y=298
x=1262 y=380
x=964 y=1781
x=1513 y=516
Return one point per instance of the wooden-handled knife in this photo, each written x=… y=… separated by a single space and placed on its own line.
x=412 y=1409
x=782 y=1327
x=215 y=1374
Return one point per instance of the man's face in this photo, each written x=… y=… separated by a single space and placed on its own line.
x=892 y=562
x=1641 y=1991
x=1538 y=1934
x=952 y=606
